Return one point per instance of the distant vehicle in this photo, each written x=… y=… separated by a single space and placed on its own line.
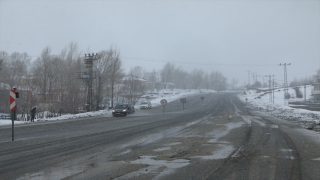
x=145 y=105
x=123 y=110
x=4 y=116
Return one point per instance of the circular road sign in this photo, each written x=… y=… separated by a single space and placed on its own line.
x=163 y=102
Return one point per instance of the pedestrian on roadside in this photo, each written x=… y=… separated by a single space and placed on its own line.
x=33 y=113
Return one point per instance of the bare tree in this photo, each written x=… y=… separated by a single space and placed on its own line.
x=156 y=78
x=3 y=56
x=40 y=69
x=72 y=94
x=115 y=70
x=234 y=83
x=101 y=67
x=167 y=73
x=196 y=77
x=133 y=88
x=218 y=81
x=14 y=69
x=137 y=72
x=206 y=82
x=181 y=78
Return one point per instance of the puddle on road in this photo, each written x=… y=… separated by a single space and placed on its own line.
x=159 y=167
x=177 y=163
x=290 y=157
x=222 y=153
x=124 y=152
x=167 y=146
x=289 y=153
x=162 y=149
x=173 y=144
x=286 y=150
x=316 y=159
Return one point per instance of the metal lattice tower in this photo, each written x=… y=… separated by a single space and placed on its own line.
x=270 y=92
x=285 y=84
x=89 y=76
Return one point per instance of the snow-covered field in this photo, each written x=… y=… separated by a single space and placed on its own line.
x=169 y=95
x=305 y=118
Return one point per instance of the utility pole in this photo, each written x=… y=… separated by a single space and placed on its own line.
x=248 y=77
x=270 y=93
x=305 y=98
x=89 y=76
x=255 y=77
x=273 y=91
x=285 y=84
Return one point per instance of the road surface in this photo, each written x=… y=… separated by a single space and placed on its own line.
x=217 y=138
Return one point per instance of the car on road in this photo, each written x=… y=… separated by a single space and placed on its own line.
x=4 y=116
x=145 y=105
x=123 y=110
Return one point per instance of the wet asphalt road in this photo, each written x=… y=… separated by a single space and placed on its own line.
x=211 y=139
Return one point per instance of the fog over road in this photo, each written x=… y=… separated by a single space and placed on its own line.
x=211 y=139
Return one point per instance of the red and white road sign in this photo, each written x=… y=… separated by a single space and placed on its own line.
x=163 y=102
x=13 y=106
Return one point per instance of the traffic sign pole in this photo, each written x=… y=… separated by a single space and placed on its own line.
x=13 y=115
x=13 y=109
x=163 y=102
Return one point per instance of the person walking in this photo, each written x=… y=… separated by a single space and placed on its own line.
x=33 y=113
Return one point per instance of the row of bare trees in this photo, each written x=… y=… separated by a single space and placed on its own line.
x=171 y=76
x=52 y=82
x=196 y=79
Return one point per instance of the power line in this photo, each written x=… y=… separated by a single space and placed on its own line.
x=171 y=61
x=179 y=62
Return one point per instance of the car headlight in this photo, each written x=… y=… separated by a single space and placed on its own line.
x=124 y=110
x=112 y=110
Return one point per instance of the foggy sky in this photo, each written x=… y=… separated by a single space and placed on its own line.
x=227 y=36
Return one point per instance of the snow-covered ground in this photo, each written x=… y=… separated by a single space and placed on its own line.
x=305 y=118
x=169 y=95
x=259 y=101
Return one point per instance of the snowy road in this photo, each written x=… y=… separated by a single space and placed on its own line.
x=213 y=139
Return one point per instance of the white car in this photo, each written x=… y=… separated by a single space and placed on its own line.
x=145 y=105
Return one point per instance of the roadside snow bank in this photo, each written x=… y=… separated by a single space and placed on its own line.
x=260 y=101
x=169 y=95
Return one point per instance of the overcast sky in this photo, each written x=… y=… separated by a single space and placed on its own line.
x=227 y=36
